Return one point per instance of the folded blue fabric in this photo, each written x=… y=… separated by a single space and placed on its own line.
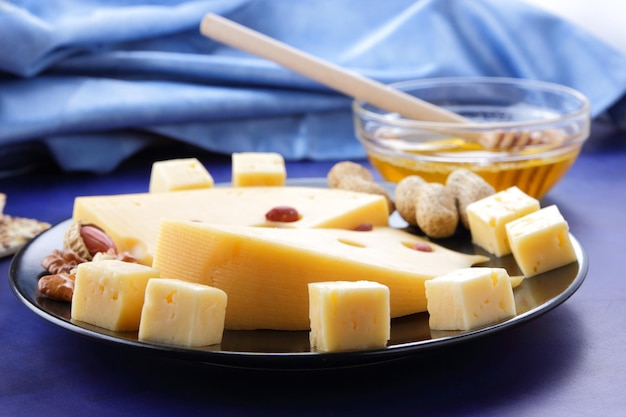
x=96 y=81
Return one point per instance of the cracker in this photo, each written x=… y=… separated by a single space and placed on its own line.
x=15 y=231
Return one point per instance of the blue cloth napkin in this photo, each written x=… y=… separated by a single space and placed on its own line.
x=95 y=81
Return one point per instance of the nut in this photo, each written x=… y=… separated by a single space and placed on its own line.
x=58 y=286
x=351 y=176
x=406 y=197
x=112 y=255
x=60 y=261
x=364 y=227
x=436 y=212
x=422 y=247
x=284 y=214
x=87 y=240
x=467 y=187
x=346 y=169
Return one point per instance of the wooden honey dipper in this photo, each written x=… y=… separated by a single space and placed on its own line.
x=362 y=88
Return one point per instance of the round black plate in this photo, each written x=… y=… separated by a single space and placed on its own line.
x=270 y=349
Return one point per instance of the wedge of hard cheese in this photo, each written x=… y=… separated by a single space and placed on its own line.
x=132 y=220
x=266 y=271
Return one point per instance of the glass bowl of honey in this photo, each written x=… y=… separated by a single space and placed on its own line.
x=490 y=107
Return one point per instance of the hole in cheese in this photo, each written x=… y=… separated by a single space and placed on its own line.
x=351 y=243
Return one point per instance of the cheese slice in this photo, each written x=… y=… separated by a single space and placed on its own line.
x=179 y=174
x=540 y=241
x=265 y=271
x=348 y=315
x=132 y=220
x=488 y=217
x=182 y=313
x=258 y=168
x=469 y=298
x=110 y=293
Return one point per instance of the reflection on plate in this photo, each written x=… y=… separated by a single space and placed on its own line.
x=272 y=349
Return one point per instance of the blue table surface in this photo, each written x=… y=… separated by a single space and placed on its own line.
x=570 y=361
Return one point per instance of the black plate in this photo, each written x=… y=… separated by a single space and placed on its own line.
x=268 y=349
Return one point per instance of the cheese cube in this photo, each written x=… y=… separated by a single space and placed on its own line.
x=182 y=313
x=540 y=241
x=258 y=168
x=487 y=218
x=179 y=174
x=110 y=293
x=348 y=315
x=469 y=298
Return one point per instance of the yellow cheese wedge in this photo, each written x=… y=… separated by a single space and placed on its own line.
x=540 y=241
x=179 y=174
x=182 y=313
x=349 y=315
x=487 y=218
x=110 y=293
x=265 y=271
x=469 y=298
x=132 y=220
x=258 y=168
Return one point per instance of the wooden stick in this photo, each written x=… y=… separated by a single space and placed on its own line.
x=324 y=72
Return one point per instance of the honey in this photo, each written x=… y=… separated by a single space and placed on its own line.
x=534 y=176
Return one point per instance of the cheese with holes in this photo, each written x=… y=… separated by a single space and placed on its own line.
x=265 y=271
x=110 y=293
x=258 y=168
x=182 y=313
x=469 y=298
x=348 y=315
x=132 y=220
x=540 y=241
x=487 y=218
x=179 y=174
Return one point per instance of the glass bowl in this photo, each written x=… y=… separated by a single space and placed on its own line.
x=398 y=147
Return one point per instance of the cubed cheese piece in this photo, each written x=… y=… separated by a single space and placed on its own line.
x=349 y=315
x=265 y=271
x=182 y=313
x=258 y=168
x=179 y=174
x=110 y=293
x=540 y=241
x=469 y=298
x=132 y=220
x=487 y=218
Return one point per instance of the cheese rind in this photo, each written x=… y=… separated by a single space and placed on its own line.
x=540 y=241
x=179 y=174
x=110 y=293
x=182 y=313
x=265 y=271
x=132 y=220
x=258 y=169
x=469 y=298
x=487 y=218
x=348 y=315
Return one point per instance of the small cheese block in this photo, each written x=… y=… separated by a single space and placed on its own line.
x=469 y=298
x=110 y=293
x=132 y=220
x=487 y=218
x=540 y=241
x=179 y=174
x=182 y=313
x=258 y=168
x=265 y=271
x=348 y=315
